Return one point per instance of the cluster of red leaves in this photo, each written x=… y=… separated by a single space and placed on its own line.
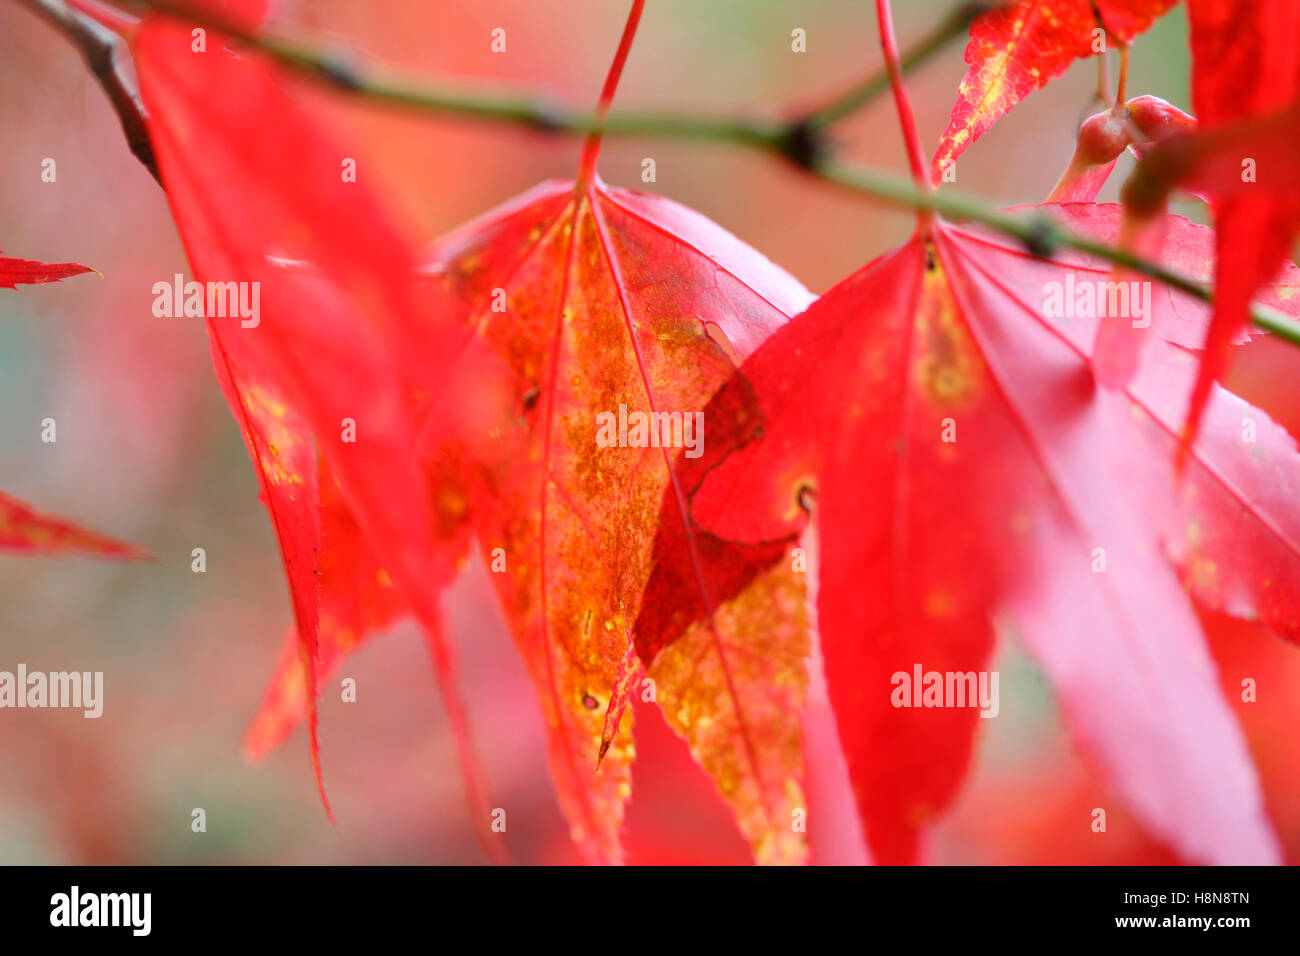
x=918 y=460
x=1246 y=96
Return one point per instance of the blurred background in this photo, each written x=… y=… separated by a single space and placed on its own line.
x=147 y=451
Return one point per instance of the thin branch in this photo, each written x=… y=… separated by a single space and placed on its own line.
x=799 y=137
x=1037 y=233
x=346 y=74
x=102 y=50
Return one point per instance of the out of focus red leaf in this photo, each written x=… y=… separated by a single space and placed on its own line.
x=351 y=346
x=25 y=531
x=1210 y=165
x=1246 y=66
x=1019 y=47
x=965 y=471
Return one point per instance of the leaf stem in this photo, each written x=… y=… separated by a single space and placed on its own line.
x=1121 y=92
x=1103 y=78
x=902 y=102
x=591 y=149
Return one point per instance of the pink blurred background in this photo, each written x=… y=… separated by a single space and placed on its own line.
x=147 y=451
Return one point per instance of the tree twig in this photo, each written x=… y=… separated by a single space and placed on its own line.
x=799 y=137
x=1037 y=233
x=796 y=139
x=102 y=50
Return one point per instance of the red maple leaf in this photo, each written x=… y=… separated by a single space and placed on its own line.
x=607 y=305
x=939 y=417
x=1018 y=48
x=622 y=305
